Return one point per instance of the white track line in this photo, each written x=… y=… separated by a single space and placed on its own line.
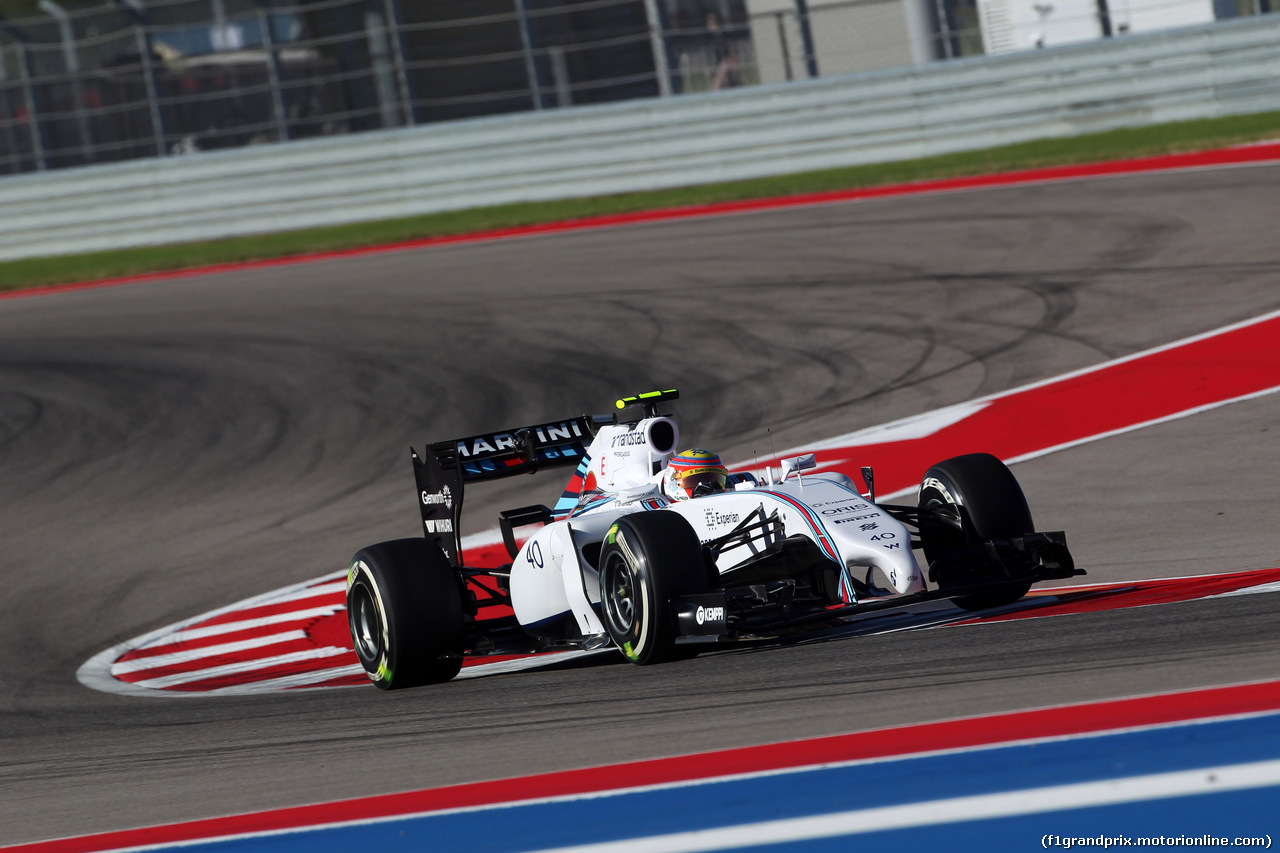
x=243 y=667
x=1107 y=792
x=246 y=625
x=300 y=680
x=191 y=655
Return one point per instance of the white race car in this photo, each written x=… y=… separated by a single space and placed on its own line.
x=620 y=561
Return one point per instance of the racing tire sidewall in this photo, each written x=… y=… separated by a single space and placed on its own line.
x=654 y=557
x=991 y=505
x=404 y=611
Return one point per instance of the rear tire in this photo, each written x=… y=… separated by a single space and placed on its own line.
x=991 y=505
x=649 y=560
x=404 y=609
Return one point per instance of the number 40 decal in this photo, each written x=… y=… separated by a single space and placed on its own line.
x=880 y=536
x=534 y=554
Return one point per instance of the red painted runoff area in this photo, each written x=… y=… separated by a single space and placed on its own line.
x=1096 y=598
x=1167 y=382
x=1217 y=158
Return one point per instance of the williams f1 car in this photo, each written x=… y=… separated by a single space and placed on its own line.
x=618 y=563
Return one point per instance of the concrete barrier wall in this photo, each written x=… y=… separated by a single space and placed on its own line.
x=1217 y=70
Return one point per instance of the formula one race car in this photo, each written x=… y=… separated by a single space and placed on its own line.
x=620 y=561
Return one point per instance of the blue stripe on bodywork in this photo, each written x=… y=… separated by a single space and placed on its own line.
x=847 y=593
x=820 y=534
x=824 y=541
x=569 y=498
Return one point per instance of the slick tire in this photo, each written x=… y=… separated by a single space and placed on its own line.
x=991 y=505
x=404 y=608
x=648 y=561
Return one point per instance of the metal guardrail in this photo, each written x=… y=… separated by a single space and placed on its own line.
x=1221 y=69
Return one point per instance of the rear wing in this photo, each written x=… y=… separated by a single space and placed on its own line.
x=446 y=466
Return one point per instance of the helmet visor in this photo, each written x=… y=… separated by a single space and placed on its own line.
x=701 y=482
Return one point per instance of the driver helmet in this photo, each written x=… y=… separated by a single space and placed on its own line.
x=694 y=472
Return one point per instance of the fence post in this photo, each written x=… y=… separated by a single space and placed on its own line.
x=919 y=31
x=944 y=29
x=806 y=38
x=72 y=63
x=273 y=76
x=12 y=161
x=1104 y=18
x=560 y=76
x=530 y=67
x=658 y=42
x=782 y=42
x=153 y=96
x=33 y=117
x=381 y=66
x=397 y=56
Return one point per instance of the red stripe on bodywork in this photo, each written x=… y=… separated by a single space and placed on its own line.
x=813 y=521
x=1058 y=721
x=1237 y=156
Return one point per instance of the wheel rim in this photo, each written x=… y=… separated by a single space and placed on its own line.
x=366 y=624
x=619 y=595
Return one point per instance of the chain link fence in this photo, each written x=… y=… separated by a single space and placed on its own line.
x=135 y=79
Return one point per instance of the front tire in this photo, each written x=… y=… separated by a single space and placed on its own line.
x=649 y=560
x=983 y=492
x=404 y=609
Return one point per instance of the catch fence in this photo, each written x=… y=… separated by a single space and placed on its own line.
x=170 y=77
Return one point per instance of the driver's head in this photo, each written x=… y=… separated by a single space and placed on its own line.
x=694 y=472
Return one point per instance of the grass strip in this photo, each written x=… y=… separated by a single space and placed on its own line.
x=1172 y=138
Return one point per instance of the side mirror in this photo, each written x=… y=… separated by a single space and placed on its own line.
x=639 y=492
x=798 y=463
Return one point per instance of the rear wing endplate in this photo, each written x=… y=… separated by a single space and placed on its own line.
x=445 y=466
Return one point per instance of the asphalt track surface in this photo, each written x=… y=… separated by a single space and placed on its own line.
x=170 y=447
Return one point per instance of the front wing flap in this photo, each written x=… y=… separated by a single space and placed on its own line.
x=1034 y=557
x=702 y=618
